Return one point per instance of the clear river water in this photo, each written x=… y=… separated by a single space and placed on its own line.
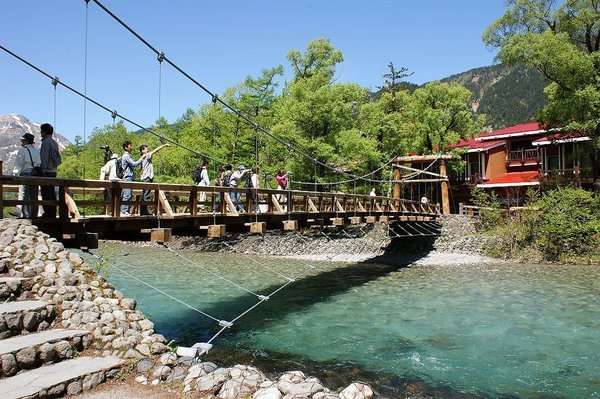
x=477 y=331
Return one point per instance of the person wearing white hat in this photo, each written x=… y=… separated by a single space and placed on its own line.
x=26 y=162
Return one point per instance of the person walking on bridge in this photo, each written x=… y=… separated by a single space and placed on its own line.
x=147 y=173
x=26 y=162
x=128 y=165
x=50 y=157
x=234 y=181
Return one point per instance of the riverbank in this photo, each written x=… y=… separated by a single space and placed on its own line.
x=458 y=244
x=74 y=299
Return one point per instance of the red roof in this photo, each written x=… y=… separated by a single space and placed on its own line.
x=513 y=179
x=561 y=136
x=516 y=129
x=473 y=144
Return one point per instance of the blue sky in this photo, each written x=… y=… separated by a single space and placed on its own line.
x=219 y=43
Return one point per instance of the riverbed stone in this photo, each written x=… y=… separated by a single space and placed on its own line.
x=26 y=358
x=9 y=365
x=212 y=382
x=268 y=393
x=357 y=391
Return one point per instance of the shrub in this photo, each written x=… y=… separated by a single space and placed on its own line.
x=490 y=214
x=567 y=223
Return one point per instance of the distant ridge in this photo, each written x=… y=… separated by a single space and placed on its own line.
x=12 y=128
x=507 y=95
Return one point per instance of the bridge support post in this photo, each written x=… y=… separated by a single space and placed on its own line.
x=258 y=228
x=384 y=219
x=445 y=188
x=355 y=220
x=370 y=219
x=216 y=231
x=290 y=225
x=337 y=221
x=161 y=235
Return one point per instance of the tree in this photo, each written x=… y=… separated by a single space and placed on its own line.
x=562 y=42
x=440 y=115
x=320 y=58
x=391 y=81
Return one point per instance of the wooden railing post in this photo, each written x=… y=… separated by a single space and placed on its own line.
x=445 y=188
x=63 y=209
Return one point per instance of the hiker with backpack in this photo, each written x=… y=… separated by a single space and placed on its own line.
x=50 y=158
x=128 y=165
x=235 y=179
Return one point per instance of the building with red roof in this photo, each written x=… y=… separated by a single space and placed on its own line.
x=511 y=159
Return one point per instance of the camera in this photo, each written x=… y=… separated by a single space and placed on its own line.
x=107 y=152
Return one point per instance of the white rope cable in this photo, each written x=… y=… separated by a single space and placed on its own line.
x=259 y=263
x=211 y=272
x=100 y=258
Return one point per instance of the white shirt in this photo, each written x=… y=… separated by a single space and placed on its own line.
x=254 y=179
x=23 y=161
x=109 y=169
x=204 y=179
x=424 y=200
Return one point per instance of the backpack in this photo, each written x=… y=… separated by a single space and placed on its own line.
x=197 y=174
x=226 y=178
x=249 y=181
x=119 y=171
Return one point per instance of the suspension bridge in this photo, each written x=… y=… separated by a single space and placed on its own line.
x=89 y=209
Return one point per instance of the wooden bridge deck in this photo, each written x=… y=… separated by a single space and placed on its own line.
x=92 y=207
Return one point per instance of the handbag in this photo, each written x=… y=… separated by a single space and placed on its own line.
x=37 y=170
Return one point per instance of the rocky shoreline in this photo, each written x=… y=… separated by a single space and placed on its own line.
x=459 y=244
x=75 y=297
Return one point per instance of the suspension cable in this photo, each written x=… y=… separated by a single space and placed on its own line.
x=225 y=104
x=113 y=113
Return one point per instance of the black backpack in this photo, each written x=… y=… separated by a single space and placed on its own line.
x=197 y=174
x=119 y=171
x=226 y=178
x=249 y=181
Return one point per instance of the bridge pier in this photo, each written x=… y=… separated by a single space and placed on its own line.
x=370 y=219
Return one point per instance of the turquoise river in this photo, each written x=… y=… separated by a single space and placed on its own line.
x=478 y=331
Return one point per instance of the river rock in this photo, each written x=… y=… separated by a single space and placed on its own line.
x=268 y=393
x=299 y=388
x=213 y=381
x=357 y=391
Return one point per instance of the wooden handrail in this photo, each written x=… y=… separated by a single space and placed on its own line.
x=168 y=197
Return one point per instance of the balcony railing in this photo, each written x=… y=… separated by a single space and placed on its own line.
x=577 y=174
x=532 y=154
x=469 y=180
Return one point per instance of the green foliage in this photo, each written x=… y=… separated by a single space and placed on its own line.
x=562 y=42
x=441 y=116
x=568 y=222
x=490 y=214
x=339 y=124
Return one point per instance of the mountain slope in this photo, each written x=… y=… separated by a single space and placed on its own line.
x=507 y=95
x=12 y=128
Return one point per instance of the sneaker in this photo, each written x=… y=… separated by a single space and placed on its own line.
x=125 y=214
x=15 y=212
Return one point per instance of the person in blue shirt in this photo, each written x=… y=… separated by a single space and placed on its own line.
x=129 y=166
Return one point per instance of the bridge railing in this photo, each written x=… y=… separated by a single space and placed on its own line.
x=103 y=199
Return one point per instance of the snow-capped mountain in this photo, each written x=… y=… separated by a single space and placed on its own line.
x=12 y=128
